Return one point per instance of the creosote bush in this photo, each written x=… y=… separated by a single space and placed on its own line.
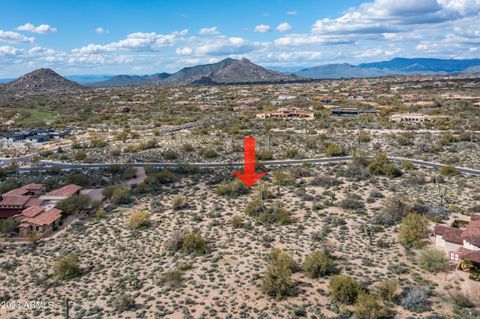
x=277 y=281
x=318 y=264
x=433 y=260
x=179 y=202
x=368 y=306
x=344 y=289
x=190 y=242
x=67 y=267
x=237 y=221
x=232 y=188
x=381 y=165
x=139 y=219
x=388 y=289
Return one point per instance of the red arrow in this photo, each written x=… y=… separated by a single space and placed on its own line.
x=249 y=177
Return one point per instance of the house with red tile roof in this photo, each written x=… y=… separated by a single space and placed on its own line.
x=38 y=220
x=460 y=243
x=52 y=198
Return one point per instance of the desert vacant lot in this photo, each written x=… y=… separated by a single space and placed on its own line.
x=226 y=281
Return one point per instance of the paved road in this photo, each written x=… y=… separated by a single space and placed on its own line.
x=45 y=165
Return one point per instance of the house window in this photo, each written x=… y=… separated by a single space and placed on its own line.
x=454 y=256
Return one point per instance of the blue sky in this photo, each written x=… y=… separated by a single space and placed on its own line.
x=89 y=37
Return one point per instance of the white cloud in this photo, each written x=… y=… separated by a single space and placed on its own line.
x=101 y=30
x=14 y=37
x=262 y=28
x=184 y=51
x=284 y=27
x=139 y=41
x=209 y=31
x=226 y=46
x=43 y=28
x=292 y=13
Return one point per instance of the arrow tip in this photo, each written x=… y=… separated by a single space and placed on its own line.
x=249 y=179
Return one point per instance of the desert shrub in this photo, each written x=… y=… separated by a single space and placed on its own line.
x=393 y=210
x=368 y=306
x=66 y=267
x=139 y=219
x=123 y=302
x=449 y=171
x=187 y=147
x=364 y=137
x=405 y=139
x=408 y=165
x=74 y=204
x=332 y=149
x=353 y=202
x=232 y=188
x=7 y=225
x=179 y=202
x=273 y=213
x=100 y=213
x=236 y=221
x=433 y=260
x=326 y=181
x=120 y=196
x=461 y=301
x=277 y=280
x=208 y=153
x=283 y=179
x=129 y=173
x=173 y=278
x=193 y=243
x=381 y=165
x=170 y=154
x=415 y=300
x=388 y=289
x=33 y=237
x=79 y=179
x=344 y=289
x=413 y=230
x=8 y=185
x=157 y=178
x=318 y=264
x=356 y=171
x=264 y=155
x=290 y=153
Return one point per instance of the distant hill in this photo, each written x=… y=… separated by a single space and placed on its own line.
x=40 y=81
x=127 y=80
x=337 y=71
x=227 y=71
x=397 y=66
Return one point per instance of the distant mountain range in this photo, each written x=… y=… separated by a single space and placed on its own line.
x=397 y=66
x=232 y=71
x=125 y=80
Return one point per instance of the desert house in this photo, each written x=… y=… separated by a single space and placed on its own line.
x=460 y=244
x=288 y=113
x=34 y=209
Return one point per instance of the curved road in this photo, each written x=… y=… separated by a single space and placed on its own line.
x=45 y=165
